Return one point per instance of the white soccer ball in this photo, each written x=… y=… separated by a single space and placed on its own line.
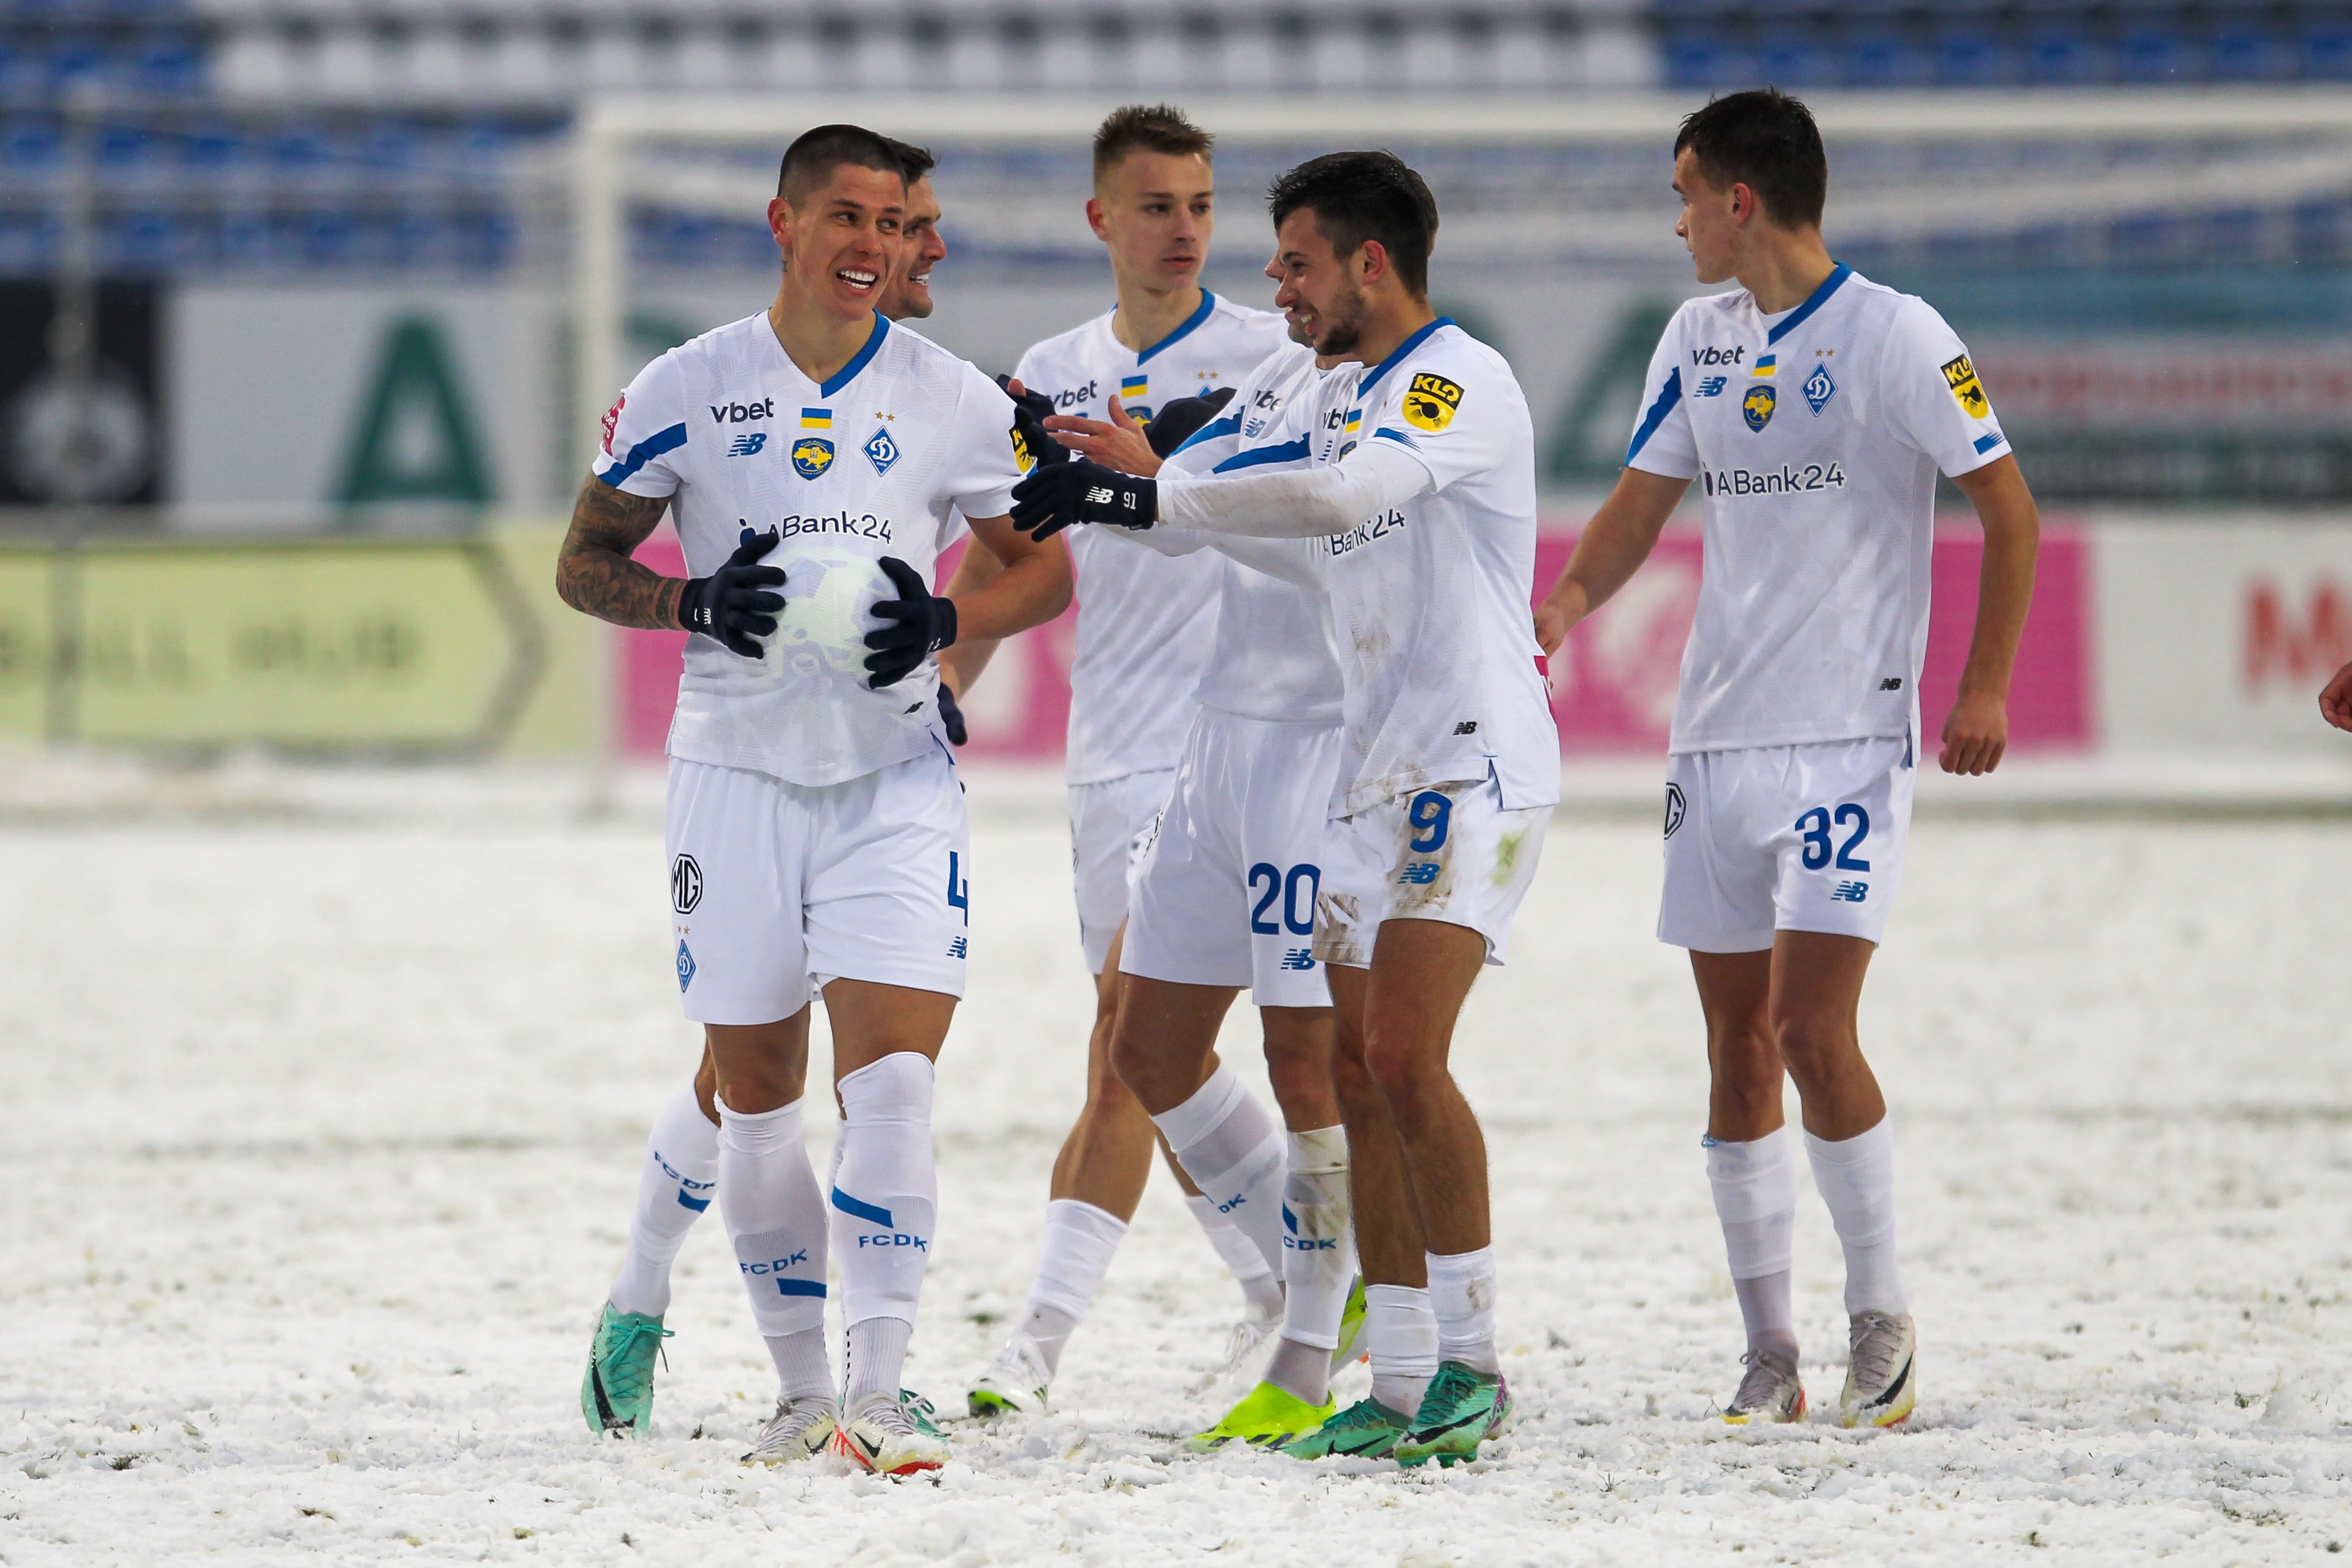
x=829 y=602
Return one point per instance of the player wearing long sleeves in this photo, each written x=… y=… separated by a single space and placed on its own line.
x=1815 y=408
x=1143 y=633
x=1423 y=502
x=816 y=462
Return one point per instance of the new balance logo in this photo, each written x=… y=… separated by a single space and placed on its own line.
x=1890 y=684
x=1299 y=959
x=1419 y=873
x=1851 y=892
x=1097 y=496
x=748 y=445
x=1467 y=727
x=956 y=948
x=1711 y=386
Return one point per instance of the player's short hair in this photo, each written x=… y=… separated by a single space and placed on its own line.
x=1767 y=141
x=1148 y=128
x=1359 y=196
x=811 y=160
x=913 y=163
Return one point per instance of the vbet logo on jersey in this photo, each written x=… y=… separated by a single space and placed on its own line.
x=1756 y=406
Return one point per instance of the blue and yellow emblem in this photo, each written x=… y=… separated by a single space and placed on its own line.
x=1767 y=363
x=1756 y=407
x=1132 y=390
x=812 y=455
x=816 y=418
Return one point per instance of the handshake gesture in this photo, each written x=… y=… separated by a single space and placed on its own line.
x=1064 y=488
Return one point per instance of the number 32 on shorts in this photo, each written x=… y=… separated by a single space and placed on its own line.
x=1814 y=828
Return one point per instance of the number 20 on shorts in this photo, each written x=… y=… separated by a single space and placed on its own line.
x=1814 y=825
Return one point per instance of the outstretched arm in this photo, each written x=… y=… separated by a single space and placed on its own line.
x=1977 y=731
x=1033 y=586
x=1310 y=503
x=1611 y=548
x=593 y=573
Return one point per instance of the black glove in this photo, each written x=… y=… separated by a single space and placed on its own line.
x=1030 y=409
x=951 y=717
x=1083 y=491
x=732 y=605
x=1039 y=405
x=920 y=623
x=1180 y=419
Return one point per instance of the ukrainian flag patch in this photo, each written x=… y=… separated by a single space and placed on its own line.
x=816 y=418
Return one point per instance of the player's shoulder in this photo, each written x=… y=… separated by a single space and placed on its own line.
x=1230 y=318
x=1283 y=366
x=1451 y=366
x=1065 y=349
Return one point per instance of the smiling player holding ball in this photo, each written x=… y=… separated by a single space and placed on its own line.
x=816 y=827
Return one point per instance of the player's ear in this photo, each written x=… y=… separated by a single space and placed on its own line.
x=1372 y=262
x=1095 y=219
x=779 y=224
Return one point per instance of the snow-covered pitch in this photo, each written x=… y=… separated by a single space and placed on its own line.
x=322 y=1130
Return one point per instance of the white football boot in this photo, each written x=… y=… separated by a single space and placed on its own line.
x=1014 y=1383
x=799 y=1428
x=1881 y=1383
x=883 y=1436
x=1769 y=1393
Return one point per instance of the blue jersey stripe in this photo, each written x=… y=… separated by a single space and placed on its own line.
x=1191 y=324
x=1283 y=452
x=1668 y=396
x=1399 y=436
x=1364 y=388
x=849 y=372
x=1990 y=440
x=1215 y=430
x=1813 y=302
x=857 y=1210
x=801 y=1288
x=643 y=453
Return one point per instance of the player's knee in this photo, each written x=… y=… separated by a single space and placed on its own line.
x=1812 y=1044
x=1401 y=1072
x=1301 y=1079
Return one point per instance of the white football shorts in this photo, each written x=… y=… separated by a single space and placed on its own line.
x=1449 y=853
x=777 y=889
x=1225 y=894
x=1110 y=827
x=1784 y=838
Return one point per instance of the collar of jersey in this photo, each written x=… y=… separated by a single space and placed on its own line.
x=1813 y=301
x=858 y=362
x=1189 y=325
x=1372 y=379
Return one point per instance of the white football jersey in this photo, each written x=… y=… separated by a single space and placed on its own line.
x=884 y=457
x=1271 y=657
x=1143 y=623
x=1432 y=603
x=1815 y=435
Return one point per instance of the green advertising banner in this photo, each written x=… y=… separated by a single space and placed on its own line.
x=438 y=645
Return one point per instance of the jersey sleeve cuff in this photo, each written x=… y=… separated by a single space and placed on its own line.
x=1663 y=465
x=1990 y=447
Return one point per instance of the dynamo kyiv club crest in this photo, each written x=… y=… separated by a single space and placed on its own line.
x=881 y=451
x=1819 y=389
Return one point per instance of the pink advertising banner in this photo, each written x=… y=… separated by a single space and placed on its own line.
x=1613 y=684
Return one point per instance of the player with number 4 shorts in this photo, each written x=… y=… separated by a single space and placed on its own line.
x=1420 y=499
x=815 y=461
x=1813 y=409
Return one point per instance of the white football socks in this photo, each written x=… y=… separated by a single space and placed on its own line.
x=1856 y=1178
x=675 y=1188
x=1261 y=1287
x=1755 y=1187
x=1080 y=1240
x=1231 y=1145
x=885 y=1199
x=1400 y=1334
x=1318 y=1262
x=1462 y=1292
x=768 y=1196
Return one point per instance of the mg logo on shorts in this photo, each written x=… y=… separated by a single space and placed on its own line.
x=685 y=885
x=1675 y=807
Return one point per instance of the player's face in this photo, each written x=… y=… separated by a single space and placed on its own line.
x=921 y=249
x=1708 y=225
x=1316 y=287
x=1156 y=212
x=843 y=243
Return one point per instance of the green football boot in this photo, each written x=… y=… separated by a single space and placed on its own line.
x=618 y=1394
x=1267 y=1417
x=1351 y=1347
x=922 y=1413
x=1367 y=1429
x=1461 y=1409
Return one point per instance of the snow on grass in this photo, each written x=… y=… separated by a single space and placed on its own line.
x=321 y=1136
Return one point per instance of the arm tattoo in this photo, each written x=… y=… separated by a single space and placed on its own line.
x=593 y=573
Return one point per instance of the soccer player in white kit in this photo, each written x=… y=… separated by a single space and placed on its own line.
x=1224 y=895
x=1143 y=633
x=815 y=461
x=1815 y=408
x=1424 y=509
x=680 y=1173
